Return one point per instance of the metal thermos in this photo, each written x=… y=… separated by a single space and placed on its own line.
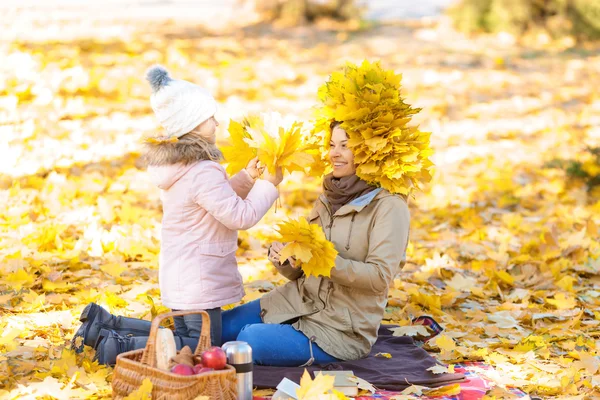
x=239 y=355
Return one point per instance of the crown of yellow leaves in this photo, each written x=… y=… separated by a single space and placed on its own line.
x=367 y=102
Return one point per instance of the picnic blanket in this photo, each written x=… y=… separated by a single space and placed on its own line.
x=473 y=387
x=407 y=366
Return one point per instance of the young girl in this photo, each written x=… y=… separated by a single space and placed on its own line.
x=202 y=211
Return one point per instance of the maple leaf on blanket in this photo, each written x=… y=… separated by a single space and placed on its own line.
x=308 y=245
x=319 y=388
x=277 y=141
x=367 y=102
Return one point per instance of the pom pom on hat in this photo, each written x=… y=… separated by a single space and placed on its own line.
x=180 y=106
x=158 y=77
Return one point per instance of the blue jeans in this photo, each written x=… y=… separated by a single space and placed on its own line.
x=277 y=345
x=191 y=326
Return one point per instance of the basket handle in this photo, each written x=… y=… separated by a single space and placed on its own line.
x=149 y=356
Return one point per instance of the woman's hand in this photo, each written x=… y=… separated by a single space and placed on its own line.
x=254 y=169
x=275 y=256
x=274 y=179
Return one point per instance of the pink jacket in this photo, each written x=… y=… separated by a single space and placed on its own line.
x=202 y=212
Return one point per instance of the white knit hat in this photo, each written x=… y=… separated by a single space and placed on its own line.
x=179 y=105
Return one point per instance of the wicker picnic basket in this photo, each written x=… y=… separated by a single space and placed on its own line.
x=135 y=366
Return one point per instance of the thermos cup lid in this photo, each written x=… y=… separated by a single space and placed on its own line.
x=238 y=352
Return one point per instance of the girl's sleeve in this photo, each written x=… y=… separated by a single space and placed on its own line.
x=213 y=191
x=242 y=183
x=388 y=239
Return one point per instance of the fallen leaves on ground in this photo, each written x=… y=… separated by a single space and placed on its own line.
x=504 y=252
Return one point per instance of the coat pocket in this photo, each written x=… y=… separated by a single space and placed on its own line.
x=214 y=271
x=340 y=319
x=217 y=249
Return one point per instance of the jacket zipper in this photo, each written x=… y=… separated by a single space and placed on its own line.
x=350 y=232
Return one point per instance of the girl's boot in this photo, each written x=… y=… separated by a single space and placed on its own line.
x=111 y=343
x=95 y=318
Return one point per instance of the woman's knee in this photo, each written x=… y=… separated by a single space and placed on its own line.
x=259 y=338
x=237 y=318
x=251 y=333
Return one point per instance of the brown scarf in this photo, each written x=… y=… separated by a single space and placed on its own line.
x=340 y=191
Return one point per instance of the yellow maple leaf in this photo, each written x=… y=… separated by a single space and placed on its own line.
x=444 y=342
x=314 y=389
x=19 y=279
x=383 y=355
x=114 y=302
x=144 y=392
x=363 y=384
x=67 y=360
x=238 y=153
x=413 y=389
x=562 y=301
x=8 y=336
x=410 y=330
x=505 y=277
x=449 y=390
x=566 y=283
x=336 y=394
x=461 y=283
x=113 y=269
x=307 y=244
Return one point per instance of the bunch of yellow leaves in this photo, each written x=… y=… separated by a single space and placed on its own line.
x=276 y=141
x=367 y=102
x=308 y=245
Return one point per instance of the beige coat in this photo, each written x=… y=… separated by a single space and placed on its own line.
x=342 y=314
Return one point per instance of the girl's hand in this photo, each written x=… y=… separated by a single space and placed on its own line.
x=275 y=256
x=254 y=169
x=274 y=179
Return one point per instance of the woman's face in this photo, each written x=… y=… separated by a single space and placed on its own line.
x=208 y=129
x=341 y=157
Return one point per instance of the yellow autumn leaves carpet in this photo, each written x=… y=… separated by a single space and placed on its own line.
x=504 y=253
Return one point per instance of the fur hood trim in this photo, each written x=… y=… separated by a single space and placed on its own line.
x=189 y=149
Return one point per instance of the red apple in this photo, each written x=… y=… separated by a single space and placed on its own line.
x=214 y=358
x=182 y=369
x=197 y=368
x=202 y=369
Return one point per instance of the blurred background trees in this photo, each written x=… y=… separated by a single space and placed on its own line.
x=296 y=12
x=580 y=18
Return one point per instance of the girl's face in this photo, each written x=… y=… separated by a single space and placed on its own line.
x=208 y=129
x=341 y=157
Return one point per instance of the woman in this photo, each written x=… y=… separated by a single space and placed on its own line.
x=320 y=320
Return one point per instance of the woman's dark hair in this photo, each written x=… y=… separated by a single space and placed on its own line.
x=333 y=124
